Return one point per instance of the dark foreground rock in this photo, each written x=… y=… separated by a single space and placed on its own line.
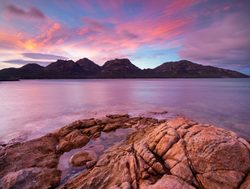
x=172 y=154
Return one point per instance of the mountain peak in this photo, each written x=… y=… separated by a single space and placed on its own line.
x=188 y=69
x=120 y=63
x=31 y=66
x=84 y=60
x=88 y=65
x=119 y=68
x=116 y=68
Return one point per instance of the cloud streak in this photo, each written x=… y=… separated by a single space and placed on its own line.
x=43 y=56
x=22 y=62
x=29 y=13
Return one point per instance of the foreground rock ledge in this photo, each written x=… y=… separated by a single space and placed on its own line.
x=172 y=154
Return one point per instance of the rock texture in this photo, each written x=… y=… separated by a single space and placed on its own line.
x=31 y=178
x=172 y=154
x=83 y=158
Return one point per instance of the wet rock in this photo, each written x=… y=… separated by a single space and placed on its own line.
x=96 y=135
x=83 y=158
x=92 y=130
x=158 y=113
x=74 y=139
x=111 y=126
x=79 y=124
x=115 y=116
x=31 y=178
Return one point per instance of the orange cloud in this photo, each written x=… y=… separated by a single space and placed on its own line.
x=30 y=44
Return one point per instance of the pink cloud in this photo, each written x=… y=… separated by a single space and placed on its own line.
x=48 y=36
x=155 y=24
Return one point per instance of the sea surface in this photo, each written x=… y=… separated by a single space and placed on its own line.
x=31 y=108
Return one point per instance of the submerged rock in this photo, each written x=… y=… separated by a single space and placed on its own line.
x=173 y=154
x=83 y=158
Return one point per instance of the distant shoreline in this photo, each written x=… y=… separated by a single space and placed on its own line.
x=147 y=78
x=115 y=69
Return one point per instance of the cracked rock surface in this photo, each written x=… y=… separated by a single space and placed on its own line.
x=171 y=154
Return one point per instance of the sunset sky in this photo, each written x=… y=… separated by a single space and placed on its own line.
x=148 y=32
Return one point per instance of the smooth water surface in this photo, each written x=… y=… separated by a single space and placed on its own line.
x=31 y=108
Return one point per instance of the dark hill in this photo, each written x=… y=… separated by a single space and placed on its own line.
x=187 y=69
x=88 y=66
x=117 y=68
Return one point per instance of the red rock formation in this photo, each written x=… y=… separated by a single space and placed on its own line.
x=174 y=154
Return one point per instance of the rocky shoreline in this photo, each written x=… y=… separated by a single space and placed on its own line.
x=174 y=154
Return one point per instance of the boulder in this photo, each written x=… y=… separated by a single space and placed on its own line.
x=211 y=149
x=111 y=126
x=79 y=124
x=83 y=158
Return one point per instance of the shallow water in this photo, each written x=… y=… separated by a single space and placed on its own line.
x=95 y=147
x=31 y=108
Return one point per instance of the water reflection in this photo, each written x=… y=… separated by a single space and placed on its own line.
x=35 y=107
x=96 y=147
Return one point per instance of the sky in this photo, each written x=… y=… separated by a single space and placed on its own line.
x=148 y=32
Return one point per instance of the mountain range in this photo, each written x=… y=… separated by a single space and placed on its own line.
x=117 y=68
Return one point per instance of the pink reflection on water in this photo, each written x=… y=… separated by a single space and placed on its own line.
x=31 y=108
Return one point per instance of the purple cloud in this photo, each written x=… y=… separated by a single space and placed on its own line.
x=224 y=43
x=130 y=35
x=43 y=56
x=32 y=12
x=22 y=62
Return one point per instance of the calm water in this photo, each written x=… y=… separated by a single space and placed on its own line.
x=31 y=108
